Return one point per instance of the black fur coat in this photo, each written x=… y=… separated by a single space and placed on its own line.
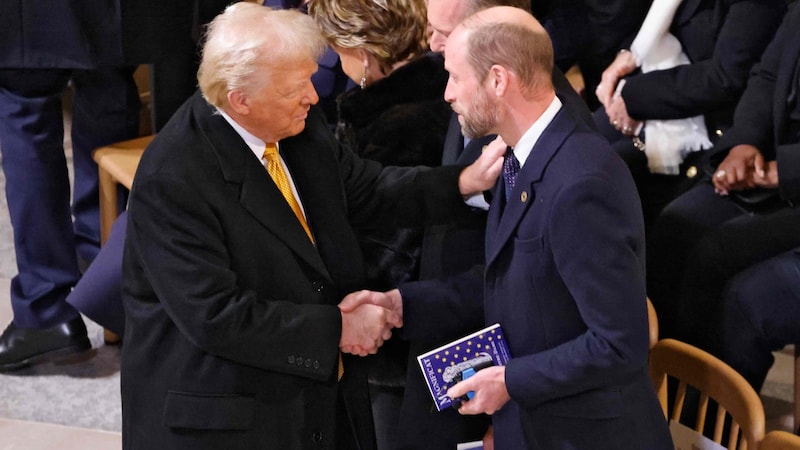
x=400 y=120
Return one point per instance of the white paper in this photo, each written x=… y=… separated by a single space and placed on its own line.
x=686 y=438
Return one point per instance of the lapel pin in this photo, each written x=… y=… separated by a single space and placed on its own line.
x=523 y=197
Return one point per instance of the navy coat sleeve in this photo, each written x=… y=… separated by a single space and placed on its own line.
x=715 y=81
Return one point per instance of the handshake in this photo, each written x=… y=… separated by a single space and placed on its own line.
x=367 y=320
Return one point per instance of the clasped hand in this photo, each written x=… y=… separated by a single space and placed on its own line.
x=367 y=320
x=623 y=65
x=744 y=168
x=609 y=94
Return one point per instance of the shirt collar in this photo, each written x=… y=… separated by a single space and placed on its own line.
x=525 y=145
x=256 y=145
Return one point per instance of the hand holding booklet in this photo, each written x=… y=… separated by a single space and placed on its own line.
x=453 y=362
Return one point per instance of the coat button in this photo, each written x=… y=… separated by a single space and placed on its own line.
x=299 y=361
x=718 y=133
x=691 y=172
x=290 y=359
x=523 y=197
x=316 y=364
x=317 y=437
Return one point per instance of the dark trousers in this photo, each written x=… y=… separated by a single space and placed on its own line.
x=759 y=314
x=698 y=244
x=105 y=109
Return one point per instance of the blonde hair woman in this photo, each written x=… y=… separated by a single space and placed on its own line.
x=398 y=116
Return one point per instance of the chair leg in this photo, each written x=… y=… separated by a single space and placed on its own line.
x=110 y=338
x=797 y=388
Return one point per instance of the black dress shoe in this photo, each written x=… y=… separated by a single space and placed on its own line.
x=21 y=347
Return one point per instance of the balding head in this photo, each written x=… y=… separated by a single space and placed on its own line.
x=509 y=37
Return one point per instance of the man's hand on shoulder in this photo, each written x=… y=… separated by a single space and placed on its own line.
x=482 y=174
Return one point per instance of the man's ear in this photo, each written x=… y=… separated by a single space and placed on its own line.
x=498 y=79
x=239 y=101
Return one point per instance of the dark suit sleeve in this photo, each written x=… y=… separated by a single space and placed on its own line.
x=394 y=193
x=713 y=83
x=443 y=309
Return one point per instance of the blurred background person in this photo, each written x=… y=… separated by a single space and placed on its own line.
x=744 y=212
x=757 y=315
x=707 y=83
x=396 y=114
x=45 y=47
x=589 y=33
x=167 y=41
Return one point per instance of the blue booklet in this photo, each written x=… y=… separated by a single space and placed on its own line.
x=447 y=365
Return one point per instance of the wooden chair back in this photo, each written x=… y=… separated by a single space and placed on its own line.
x=797 y=387
x=780 y=440
x=715 y=380
x=652 y=320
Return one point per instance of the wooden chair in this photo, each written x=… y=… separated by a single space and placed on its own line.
x=117 y=165
x=780 y=440
x=715 y=380
x=652 y=320
x=797 y=387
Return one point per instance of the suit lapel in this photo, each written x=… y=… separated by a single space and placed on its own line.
x=258 y=193
x=503 y=219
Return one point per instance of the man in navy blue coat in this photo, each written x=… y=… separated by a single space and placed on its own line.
x=564 y=269
x=452 y=244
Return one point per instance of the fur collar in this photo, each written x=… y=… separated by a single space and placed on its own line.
x=422 y=79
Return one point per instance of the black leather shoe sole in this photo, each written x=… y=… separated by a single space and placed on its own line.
x=51 y=356
x=21 y=347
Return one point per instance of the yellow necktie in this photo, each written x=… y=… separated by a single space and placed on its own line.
x=275 y=170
